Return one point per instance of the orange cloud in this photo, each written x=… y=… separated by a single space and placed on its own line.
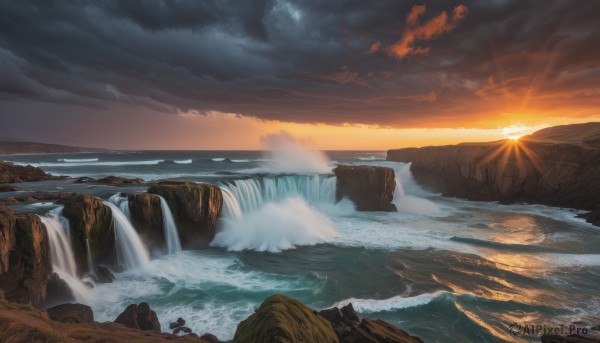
x=413 y=16
x=374 y=47
x=435 y=27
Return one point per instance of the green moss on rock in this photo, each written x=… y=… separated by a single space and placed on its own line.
x=282 y=319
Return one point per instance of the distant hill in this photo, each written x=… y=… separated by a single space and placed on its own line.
x=585 y=134
x=11 y=148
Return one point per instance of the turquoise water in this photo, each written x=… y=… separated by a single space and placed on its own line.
x=446 y=270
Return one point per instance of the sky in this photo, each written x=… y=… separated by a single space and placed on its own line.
x=338 y=74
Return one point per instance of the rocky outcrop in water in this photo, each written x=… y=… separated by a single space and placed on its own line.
x=370 y=188
x=8 y=188
x=343 y=320
x=146 y=217
x=592 y=217
x=110 y=180
x=35 y=197
x=71 y=313
x=195 y=208
x=24 y=257
x=139 y=317
x=350 y=329
x=378 y=331
x=11 y=173
x=90 y=220
x=565 y=175
x=283 y=319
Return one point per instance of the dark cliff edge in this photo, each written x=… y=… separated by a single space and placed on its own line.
x=24 y=258
x=196 y=208
x=559 y=167
x=370 y=188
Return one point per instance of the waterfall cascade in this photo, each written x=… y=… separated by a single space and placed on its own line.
x=276 y=213
x=131 y=251
x=243 y=196
x=122 y=203
x=169 y=227
x=90 y=262
x=61 y=254
x=406 y=193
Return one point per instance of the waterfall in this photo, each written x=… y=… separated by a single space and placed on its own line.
x=169 y=227
x=131 y=251
x=231 y=207
x=243 y=196
x=408 y=196
x=276 y=213
x=61 y=254
x=89 y=257
x=122 y=202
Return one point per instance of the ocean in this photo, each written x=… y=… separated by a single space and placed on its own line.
x=443 y=269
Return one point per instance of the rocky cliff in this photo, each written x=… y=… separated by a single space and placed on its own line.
x=90 y=220
x=534 y=169
x=10 y=173
x=146 y=217
x=24 y=257
x=195 y=208
x=370 y=188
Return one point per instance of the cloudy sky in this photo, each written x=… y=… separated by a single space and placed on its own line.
x=343 y=74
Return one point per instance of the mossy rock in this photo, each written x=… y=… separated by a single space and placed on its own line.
x=195 y=208
x=284 y=320
x=89 y=219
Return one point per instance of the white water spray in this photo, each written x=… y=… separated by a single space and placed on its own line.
x=131 y=251
x=410 y=203
x=276 y=227
x=169 y=227
x=273 y=213
x=289 y=155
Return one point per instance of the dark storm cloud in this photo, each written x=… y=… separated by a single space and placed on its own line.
x=384 y=62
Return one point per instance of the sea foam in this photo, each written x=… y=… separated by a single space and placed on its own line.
x=275 y=227
x=391 y=304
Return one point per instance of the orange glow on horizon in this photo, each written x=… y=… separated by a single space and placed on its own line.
x=223 y=131
x=227 y=131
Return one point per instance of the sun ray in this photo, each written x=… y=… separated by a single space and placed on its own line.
x=512 y=149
